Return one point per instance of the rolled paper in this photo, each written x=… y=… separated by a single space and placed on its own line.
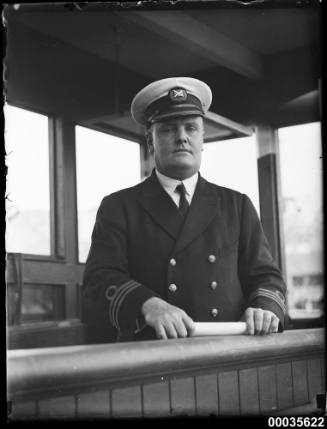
x=219 y=328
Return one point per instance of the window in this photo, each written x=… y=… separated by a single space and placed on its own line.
x=27 y=190
x=104 y=164
x=233 y=164
x=42 y=303
x=301 y=182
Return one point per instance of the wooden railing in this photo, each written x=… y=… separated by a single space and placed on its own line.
x=230 y=375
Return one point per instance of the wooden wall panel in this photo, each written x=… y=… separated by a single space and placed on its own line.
x=314 y=378
x=267 y=389
x=57 y=408
x=249 y=395
x=22 y=411
x=206 y=388
x=46 y=334
x=254 y=391
x=156 y=400
x=323 y=373
x=284 y=386
x=126 y=402
x=228 y=393
x=93 y=404
x=182 y=394
x=300 y=384
x=241 y=388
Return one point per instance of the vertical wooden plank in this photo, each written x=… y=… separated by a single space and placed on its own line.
x=267 y=389
x=126 y=402
x=300 y=385
x=22 y=411
x=314 y=378
x=93 y=404
x=65 y=135
x=182 y=396
x=228 y=393
x=249 y=396
x=156 y=401
x=56 y=191
x=323 y=374
x=206 y=391
x=57 y=408
x=67 y=139
x=284 y=386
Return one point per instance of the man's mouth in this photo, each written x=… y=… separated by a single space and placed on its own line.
x=182 y=150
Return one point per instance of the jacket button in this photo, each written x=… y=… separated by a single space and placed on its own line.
x=214 y=312
x=172 y=287
x=213 y=285
x=173 y=262
x=211 y=259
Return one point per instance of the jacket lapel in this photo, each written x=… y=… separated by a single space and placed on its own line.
x=203 y=209
x=160 y=206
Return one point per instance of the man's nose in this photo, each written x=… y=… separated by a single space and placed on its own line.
x=181 y=136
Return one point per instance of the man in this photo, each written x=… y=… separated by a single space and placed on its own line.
x=176 y=249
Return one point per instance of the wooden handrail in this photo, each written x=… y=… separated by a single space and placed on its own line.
x=39 y=372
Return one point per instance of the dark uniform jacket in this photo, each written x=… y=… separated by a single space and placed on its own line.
x=213 y=265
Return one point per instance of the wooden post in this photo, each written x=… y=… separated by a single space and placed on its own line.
x=270 y=191
x=67 y=204
x=56 y=192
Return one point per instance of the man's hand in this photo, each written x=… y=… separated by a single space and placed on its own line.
x=167 y=320
x=260 y=322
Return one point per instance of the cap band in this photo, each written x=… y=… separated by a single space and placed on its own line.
x=177 y=102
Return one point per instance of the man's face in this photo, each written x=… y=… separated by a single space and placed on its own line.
x=177 y=145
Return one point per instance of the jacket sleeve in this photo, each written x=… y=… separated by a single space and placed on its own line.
x=261 y=279
x=110 y=293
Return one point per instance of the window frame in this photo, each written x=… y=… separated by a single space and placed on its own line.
x=37 y=256
x=145 y=162
x=303 y=321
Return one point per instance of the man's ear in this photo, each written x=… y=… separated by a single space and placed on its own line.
x=149 y=140
x=203 y=135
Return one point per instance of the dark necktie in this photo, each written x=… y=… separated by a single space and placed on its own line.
x=183 y=203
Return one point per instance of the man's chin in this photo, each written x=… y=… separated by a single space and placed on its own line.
x=181 y=170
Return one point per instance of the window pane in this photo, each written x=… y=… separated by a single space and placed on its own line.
x=233 y=164
x=104 y=165
x=301 y=181
x=42 y=303
x=28 y=196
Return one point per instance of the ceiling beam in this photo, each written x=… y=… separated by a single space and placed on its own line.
x=192 y=34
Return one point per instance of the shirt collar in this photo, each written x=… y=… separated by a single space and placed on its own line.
x=170 y=184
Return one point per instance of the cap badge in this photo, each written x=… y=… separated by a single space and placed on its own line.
x=178 y=94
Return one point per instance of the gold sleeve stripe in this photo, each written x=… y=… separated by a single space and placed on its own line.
x=271 y=295
x=114 y=300
x=121 y=294
x=121 y=299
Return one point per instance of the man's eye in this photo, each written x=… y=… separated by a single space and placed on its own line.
x=167 y=129
x=191 y=128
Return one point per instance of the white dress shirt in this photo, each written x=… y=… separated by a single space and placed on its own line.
x=169 y=184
